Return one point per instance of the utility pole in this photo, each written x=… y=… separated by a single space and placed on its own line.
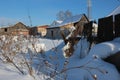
x=89 y=9
x=29 y=18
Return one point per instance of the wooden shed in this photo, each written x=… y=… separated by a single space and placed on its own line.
x=77 y=21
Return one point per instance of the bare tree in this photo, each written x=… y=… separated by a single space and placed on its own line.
x=61 y=15
x=68 y=14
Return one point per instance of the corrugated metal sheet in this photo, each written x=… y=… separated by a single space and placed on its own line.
x=115 y=12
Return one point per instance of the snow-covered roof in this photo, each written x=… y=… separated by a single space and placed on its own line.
x=69 y=20
x=55 y=23
x=72 y=19
x=116 y=11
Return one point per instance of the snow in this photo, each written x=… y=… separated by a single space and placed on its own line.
x=40 y=47
x=82 y=65
x=7 y=74
x=106 y=49
x=83 y=47
x=93 y=59
x=65 y=48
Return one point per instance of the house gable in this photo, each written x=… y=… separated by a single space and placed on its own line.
x=69 y=22
x=19 y=26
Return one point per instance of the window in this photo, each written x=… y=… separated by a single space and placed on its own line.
x=5 y=29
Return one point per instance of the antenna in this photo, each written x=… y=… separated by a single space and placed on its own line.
x=29 y=17
x=89 y=9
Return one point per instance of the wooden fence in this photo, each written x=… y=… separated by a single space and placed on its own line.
x=108 y=29
x=105 y=29
x=117 y=25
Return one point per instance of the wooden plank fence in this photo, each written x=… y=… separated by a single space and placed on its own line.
x=108 y=29
x=105 y=29
x=117 y=25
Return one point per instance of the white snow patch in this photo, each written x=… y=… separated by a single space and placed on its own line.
x=99 y=51
x=40 y=47
x=65 y=48
x=105 y=49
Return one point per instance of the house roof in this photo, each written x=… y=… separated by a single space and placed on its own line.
x=69 y=20
x=115 y=11
x=20 y=24
x=72 y=19
x=55 y=23
x=17 y=25
x=43 y=26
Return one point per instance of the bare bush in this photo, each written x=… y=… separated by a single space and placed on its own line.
x=16 y=51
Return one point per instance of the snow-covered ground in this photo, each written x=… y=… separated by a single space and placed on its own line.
x=82 y=65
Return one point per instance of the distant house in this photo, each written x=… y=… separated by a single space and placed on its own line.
x=33 y=31
x=17 y=29
x=39 y=30
x=94 y=29
x=53 y=33
x=42 y=30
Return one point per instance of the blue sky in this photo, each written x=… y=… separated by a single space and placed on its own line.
x=44 y=12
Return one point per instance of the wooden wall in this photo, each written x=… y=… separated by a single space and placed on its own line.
x=105 y=29
x=117 y=25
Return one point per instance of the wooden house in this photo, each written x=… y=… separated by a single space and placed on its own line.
x=17 y=29
x=53 y=33
x=42 y=30
x=77 y=21
x=39 y=30
x=33 y=31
